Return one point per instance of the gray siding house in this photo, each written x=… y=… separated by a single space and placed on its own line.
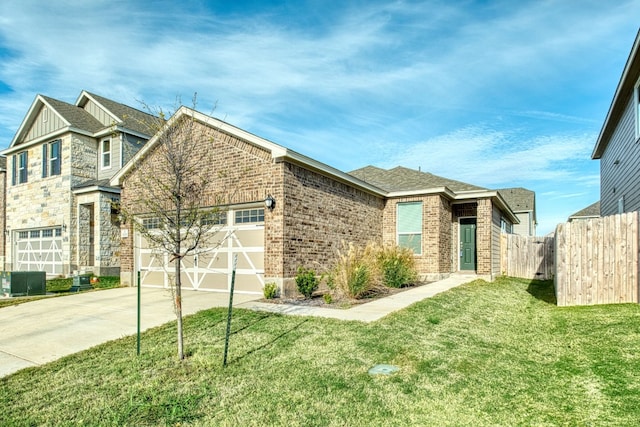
x=523 y=203
x=61 y=212
x=617 y=146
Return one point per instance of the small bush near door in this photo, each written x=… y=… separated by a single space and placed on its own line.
x=306 y=281
x=270 y=290
x=398 y=266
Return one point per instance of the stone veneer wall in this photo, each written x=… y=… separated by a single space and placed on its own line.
x=436 y=259
x=40 y=202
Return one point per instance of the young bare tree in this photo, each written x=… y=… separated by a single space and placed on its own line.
x=176 y=203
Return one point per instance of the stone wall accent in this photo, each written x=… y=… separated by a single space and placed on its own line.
x=3 y=217
x=40 y=202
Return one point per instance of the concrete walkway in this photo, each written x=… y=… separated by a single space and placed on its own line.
x=370 y=311
x=42 y=331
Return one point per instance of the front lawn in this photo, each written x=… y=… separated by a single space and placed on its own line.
x=483 y=354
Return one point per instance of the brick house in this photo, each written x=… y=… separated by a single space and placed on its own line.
x=451 y=226
x=59 y=204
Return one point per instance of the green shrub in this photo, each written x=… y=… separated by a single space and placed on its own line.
x=398 y=266
x=328 y=299
x=270 y=290
x=306 y=281
x=355 y=272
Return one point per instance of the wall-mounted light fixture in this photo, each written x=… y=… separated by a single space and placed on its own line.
x=616 y=162
x=64 y=227
x=270 y=202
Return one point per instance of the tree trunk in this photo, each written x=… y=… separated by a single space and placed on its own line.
x=178 y=306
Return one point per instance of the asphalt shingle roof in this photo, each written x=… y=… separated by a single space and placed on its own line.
x=519 y=199
x=132 y=118
x=404 y=179
x=592 y=210
x=76 y=116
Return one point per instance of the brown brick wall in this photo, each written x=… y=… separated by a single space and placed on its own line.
x=483 y=236
x=319 y=214
x=436 y=232
x=238 y=172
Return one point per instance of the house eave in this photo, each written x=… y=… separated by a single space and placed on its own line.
x=96 y=189
x=616 y=109
x=45 y=138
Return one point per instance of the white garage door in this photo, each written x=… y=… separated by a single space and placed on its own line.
x=242 y=234
x=39 y=250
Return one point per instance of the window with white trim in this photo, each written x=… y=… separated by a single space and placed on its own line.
x=409 y=226
x=105 y=153
x=51 y=158
x=151 y=223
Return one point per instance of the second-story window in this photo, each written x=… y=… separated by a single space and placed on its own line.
x=19 y=166
x=51 y=159
x=105 y=148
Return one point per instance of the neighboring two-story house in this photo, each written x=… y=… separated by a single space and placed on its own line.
x=618 y=145
x=61 y=211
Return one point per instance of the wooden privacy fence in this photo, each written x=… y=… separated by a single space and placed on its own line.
x=597 y=260
x=527 y=257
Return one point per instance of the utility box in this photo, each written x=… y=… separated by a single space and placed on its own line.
x=81 y=282
x=23 y=283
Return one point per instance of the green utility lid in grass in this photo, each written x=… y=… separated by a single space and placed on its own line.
x=383 y=369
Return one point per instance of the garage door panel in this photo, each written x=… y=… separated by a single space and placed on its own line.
x=214 y=281
x=211 y=268
x=152 y=278
x=251 y=261
x=247 y=282
x=249 y=238
x=39 y=250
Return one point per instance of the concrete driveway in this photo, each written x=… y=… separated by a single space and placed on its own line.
x=42 y=331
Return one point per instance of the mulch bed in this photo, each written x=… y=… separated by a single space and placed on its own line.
x=317 y=299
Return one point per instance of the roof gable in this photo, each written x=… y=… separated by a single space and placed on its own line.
x=49 y=116
x=110 y=112
x=591 y=211
x=519 y=199
x=405 y=179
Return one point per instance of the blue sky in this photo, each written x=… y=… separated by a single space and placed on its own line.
x=493 y=93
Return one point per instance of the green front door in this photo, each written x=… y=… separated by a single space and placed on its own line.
x=468 y=244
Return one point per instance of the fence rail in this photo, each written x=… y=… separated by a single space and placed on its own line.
x=528 y=257
x=592 y=261
x=597 y=261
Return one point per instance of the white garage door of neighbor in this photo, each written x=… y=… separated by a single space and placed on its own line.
x=39 y=250
x=210 y=269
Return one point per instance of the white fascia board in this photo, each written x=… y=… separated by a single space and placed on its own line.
x=85 y=94
x=445 y=191
x=326 y=170
x=110 y=130
x=45 y=138
x=96 y=188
